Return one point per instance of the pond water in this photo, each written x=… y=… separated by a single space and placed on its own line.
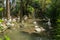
x=18 y=35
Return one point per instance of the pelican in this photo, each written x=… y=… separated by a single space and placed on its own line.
x=36 y=26
x=14 y=20
x=37 y=29
x=35 y=22
x=12 y=24
x=25 y=18
x=8 y=23
x=5 y=19
x=9 y=20
x=49 y=23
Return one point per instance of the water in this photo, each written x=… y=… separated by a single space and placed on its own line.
x=19 y=35
x=24 y=36
x=16 y=34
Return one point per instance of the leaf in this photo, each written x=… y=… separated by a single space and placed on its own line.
x=31 y=9
x=1 y=9
x=1 y=20
x=7 y=38
x=48 y=1
x=58 y=20
x=0 y=38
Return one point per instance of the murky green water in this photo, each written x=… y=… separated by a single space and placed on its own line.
x=16 y=34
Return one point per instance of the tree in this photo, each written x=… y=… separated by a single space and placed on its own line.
x=8 y=9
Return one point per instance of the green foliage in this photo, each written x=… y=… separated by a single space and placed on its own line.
x=0 y=38
x=1 y=20
x=6 y=37
x=1 y=27
x=58 y=20
x=37 y=1
x=48 y=1
x=57 y=36
x=1 y=9
x=35 y=4
x=30 y=9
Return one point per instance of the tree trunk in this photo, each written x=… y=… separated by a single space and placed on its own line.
x=21 y=9
x=8 y=9
x=43 y=5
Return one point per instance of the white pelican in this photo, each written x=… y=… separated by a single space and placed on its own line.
x=35 y=22
x=25 y=18
x=14 y=20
